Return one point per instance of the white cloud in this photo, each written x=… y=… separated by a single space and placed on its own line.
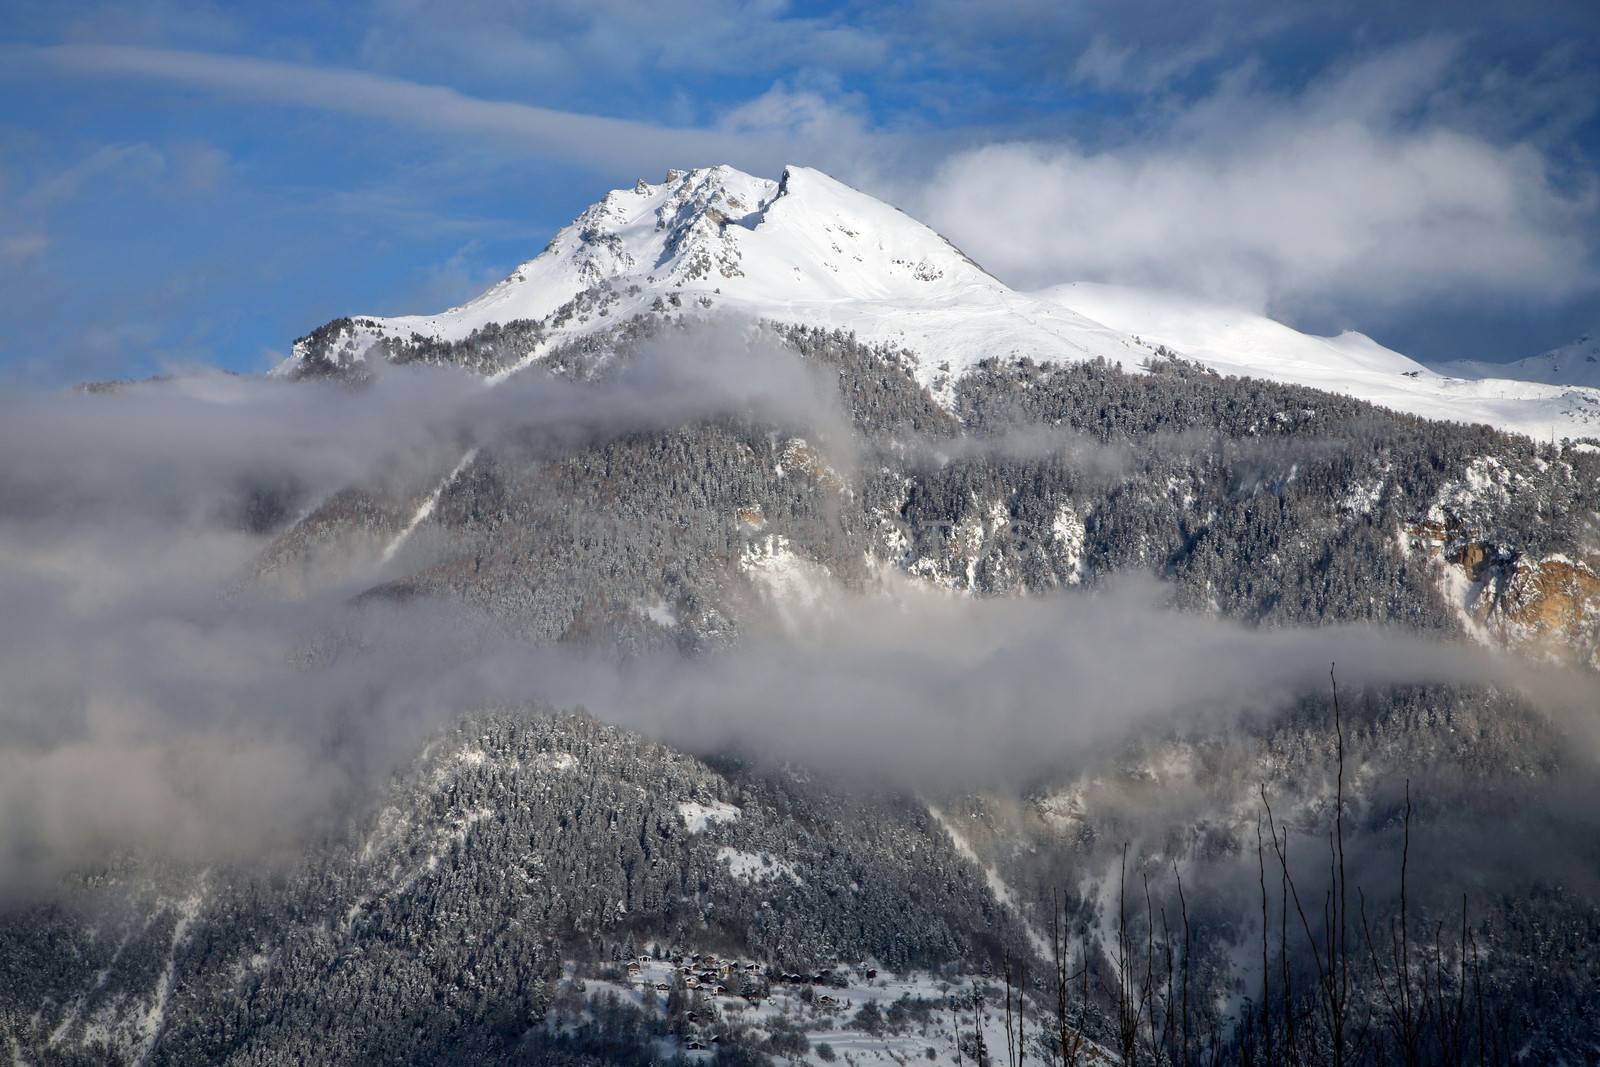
x=809 y=112
x=564 y=42
x=186 y=168
x=199 y=168
x=113 y=163
x=1338 y=194
x=452 y=282
x=820 y=126
x=20 y=248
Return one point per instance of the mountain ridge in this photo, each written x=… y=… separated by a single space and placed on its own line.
x=1575 y=363
x=809 y=250
x=805 y=250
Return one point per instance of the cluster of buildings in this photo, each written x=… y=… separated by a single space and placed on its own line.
x=705 y=972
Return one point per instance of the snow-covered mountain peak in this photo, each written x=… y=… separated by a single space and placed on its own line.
x=805 y=236
x=809 y=250
x=668 y=234
x=805 y=249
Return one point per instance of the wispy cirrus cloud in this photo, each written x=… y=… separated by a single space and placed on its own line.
x=595 y=141
x=559 y=45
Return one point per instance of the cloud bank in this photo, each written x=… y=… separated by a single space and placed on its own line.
x=1356 y=191
x=183 y=448
x=150 y=702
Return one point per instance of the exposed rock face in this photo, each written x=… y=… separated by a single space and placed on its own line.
x=1546 y=606
x=1549 y=606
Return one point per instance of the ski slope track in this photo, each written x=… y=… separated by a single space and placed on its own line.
x=809 y=250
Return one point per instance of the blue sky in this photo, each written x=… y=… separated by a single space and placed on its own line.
x=195 y=183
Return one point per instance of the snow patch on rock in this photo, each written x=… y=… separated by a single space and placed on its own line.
x=698 y=817
x=796 y=585
x=752 y=867
x=1069 y=532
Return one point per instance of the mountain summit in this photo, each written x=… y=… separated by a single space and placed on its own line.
x=809 y=250
x=805 y=249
